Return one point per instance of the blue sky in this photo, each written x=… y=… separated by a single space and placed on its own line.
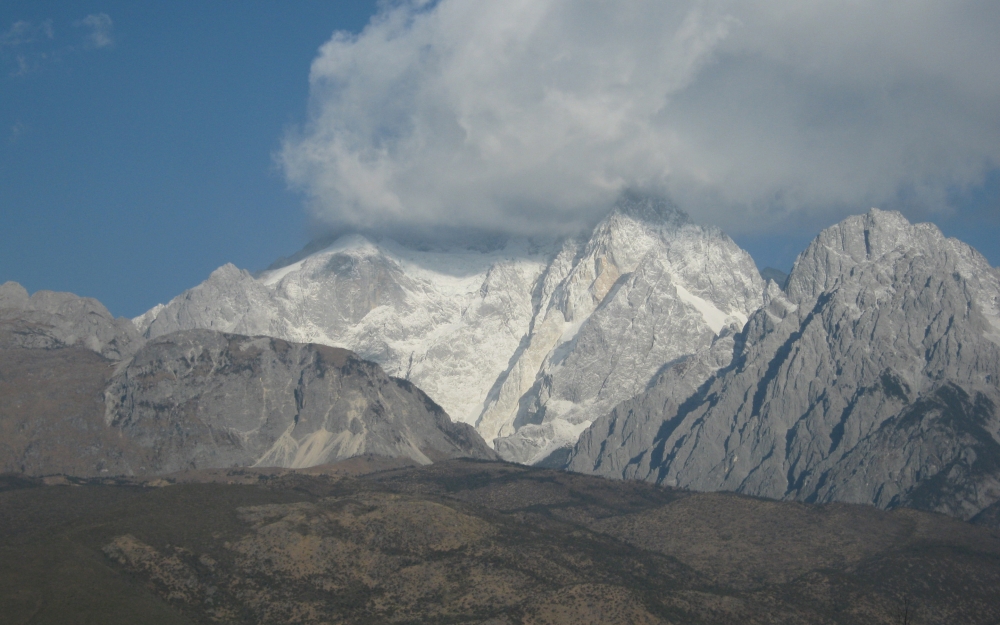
x=129 y=172
x=144 y=144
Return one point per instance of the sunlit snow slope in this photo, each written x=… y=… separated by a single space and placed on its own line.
x=530 y=342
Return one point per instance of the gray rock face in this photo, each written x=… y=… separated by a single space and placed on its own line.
x=528 y=342
x=874 y=379
x=48 y=319
x=649 y=288
x=82 y=393
x=199 y=399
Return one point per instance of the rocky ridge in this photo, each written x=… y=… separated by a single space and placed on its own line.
x=874 y=378
x=528 y=341
x=83 y=394
x=199 y=398
x=48 y=320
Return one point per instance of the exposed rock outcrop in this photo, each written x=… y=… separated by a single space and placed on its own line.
x=528 y=341
x=199 y=399
x=874 y=379
x=48 y=319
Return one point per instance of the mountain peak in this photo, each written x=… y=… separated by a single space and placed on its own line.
x=875 y=237
x=650 y=209
x=873 y=353
x=13 y=295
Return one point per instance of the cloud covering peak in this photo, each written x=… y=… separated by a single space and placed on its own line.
x=530 y=116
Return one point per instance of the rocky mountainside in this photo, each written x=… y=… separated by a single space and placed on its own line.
x=874 y=378
x=200 y=398
x=472 y=543
x=48 y=319
x=71 y=403
x=446 y=321
x=529 y=342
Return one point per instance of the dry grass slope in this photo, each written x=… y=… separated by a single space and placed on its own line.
x=371 y=541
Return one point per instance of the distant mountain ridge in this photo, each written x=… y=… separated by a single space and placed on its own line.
x=82 y=393
x=49 y=319
x=529 y=341
x=873 y=378
x=650 y=350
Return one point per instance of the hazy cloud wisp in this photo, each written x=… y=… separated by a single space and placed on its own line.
x=23 y=32
x=23 y=35
x=532 y=115
x=28 y=46
x=100 y=26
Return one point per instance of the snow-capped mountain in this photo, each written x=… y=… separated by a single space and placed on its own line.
x=528 y=341
x=874 y=378
x=447 y=321
x=648 y=288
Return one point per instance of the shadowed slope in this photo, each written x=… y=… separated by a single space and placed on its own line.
x=874 y=379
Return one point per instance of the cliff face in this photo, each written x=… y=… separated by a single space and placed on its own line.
x=201 y=399
x=649 y=287
x=874 y=379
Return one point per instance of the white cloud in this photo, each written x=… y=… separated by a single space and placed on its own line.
x=29 y=46
x=531 y=115
x=22 y=32
x=100 y=26
x=19 y=46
